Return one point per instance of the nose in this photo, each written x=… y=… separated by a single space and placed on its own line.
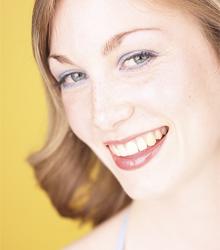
x=110 y=108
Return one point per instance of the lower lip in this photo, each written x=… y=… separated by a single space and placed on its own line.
x=140 y=159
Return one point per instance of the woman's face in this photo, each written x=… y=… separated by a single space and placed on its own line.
x=129 y=72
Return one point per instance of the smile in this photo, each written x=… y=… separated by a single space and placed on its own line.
x=139 y=150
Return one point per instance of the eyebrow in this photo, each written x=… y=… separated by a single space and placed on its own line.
x=61 y=59
x=108 y=47
x=116 y=40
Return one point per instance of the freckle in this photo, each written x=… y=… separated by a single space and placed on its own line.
x=189 y=96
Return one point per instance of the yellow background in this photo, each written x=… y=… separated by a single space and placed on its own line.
x=28 y=220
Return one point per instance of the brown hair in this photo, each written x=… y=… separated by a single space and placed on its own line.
x=79 y=185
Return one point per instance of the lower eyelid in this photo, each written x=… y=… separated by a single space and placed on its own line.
x=75 y=84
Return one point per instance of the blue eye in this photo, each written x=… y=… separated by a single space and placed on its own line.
x=71 y=79
x=129 y=62
x=135 y=60
x=75 y=77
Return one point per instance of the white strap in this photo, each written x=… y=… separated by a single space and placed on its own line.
x=121 y=237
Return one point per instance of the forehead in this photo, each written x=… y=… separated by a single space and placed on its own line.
x=87 y=24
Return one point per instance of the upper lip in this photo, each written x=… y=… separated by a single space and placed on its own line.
x=129 y=138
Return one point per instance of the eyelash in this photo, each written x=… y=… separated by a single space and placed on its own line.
x=65 y=75
x=129 y=56
x=122 y=60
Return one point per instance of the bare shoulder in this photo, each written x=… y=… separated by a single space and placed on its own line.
x=104 y=236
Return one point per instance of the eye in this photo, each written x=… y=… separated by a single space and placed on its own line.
x=74 y=77
x=71 y=79
x=138 y=59
x=135 y=60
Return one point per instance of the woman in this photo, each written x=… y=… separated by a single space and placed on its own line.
x=134 y=142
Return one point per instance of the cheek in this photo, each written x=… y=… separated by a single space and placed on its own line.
x=78 y=113
x=174 y=89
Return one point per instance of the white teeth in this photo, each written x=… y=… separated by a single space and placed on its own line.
x=150 y=140
x=138 y=144
x=164 y=130
x=141 y=143
x=114 y=150
x=122 y=150
x=131 y=148
x=158 y=135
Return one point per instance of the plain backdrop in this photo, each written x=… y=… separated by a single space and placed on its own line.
x=28 y=220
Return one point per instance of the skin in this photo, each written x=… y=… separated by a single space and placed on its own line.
x=176 y=196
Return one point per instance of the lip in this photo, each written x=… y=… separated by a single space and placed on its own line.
x=127 y=139
x=138 y=160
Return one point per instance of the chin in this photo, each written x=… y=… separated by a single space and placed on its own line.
x=156 y=186
x=150 y=191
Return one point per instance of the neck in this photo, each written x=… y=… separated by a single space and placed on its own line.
x=188 y=217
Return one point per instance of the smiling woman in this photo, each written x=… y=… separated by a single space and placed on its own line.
x=133 y=90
